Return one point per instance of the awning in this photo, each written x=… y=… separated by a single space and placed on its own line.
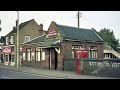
x=50 y=43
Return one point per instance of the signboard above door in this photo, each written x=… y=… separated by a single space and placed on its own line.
x=7 y=50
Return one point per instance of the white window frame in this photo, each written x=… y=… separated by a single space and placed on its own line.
x=12 y=40
x=29 y=54
x=43 y=54
x=27 y=38
x=7 y=40
x=93 y=52
x=38 y=54
x=24 y=56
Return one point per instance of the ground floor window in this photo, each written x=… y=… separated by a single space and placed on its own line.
x=24 y=56
x=38 y=54
x=28 y=53
x=43 y=55
x=6 y=58
x=93 y=52
x=12 y=58
x=74 y=48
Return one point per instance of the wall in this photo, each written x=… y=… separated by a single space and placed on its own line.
x=31 y=29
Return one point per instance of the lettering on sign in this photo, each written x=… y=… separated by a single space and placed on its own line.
x=104 y=64
x=52 y=33
x=7 y=50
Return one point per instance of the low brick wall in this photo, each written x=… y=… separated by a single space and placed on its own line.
x=95 y=67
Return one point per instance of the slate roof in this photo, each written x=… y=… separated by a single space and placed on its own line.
x=20 y=27
x=79 y=34
x=36 y=40
x=50 y=43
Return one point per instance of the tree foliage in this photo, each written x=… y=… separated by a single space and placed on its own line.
x=109 y=38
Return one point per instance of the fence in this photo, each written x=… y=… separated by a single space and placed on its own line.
x=97 y=67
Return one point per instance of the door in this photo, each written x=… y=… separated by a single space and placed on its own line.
x=6 y=59
x=53 y=60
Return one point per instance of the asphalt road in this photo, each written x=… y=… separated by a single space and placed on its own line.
x=8 y=74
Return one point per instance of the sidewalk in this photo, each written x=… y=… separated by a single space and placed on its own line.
x=51 y=73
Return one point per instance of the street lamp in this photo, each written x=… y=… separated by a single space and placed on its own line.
x=17 y=40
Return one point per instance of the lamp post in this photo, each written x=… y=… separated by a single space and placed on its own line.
x=17 y=40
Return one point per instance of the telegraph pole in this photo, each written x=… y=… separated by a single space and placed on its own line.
x=17 y=40
x=78 y=17
x=0 y=27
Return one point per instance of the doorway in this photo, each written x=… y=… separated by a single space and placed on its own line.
x=53 y=60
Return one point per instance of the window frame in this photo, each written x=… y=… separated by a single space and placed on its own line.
x=7 y=40
x=26 y=38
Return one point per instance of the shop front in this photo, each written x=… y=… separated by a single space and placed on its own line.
x=9 y=57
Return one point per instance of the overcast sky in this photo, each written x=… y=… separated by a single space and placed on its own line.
x=89 y=19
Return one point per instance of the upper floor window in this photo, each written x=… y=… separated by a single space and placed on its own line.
x=12 y=40
x=7 y=40
x=27 y=38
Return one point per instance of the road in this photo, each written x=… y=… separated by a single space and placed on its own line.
x=8 y=74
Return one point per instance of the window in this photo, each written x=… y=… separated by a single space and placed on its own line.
x=6 y=58
x=12 y=40
x=23 y=56
x=43 y=55
x=12 y=58
x=93 y=52
x=7 y=40
x=27 y=38
x=74 y=48
x=12 y=49
x=29 y=54
x=38 y=54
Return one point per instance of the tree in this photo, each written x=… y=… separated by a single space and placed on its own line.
x=109 y=38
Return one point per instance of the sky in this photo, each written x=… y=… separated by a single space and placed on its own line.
x=90 y=19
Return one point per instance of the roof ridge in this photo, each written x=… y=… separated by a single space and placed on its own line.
x=72 y=27
x=21 y=25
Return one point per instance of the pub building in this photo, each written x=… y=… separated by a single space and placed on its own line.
x=49 y=50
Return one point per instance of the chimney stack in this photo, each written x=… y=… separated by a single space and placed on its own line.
x=41 y=26
x=41 y=29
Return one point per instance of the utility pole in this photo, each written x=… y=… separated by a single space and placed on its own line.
x=0 y=27
x=78 y=17
x=17 y=40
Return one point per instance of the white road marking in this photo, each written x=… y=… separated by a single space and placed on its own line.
x=4 y=77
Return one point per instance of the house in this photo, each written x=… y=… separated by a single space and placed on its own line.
x=27 y=31
x=60 y=41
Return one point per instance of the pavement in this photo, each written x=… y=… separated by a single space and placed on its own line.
x=55 y=74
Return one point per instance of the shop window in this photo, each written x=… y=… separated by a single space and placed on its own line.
x=93 y=52
x=6 y=58
x=12 y=58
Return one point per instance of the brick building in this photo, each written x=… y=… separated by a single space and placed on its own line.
x=60 y=41
x=27 y=31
